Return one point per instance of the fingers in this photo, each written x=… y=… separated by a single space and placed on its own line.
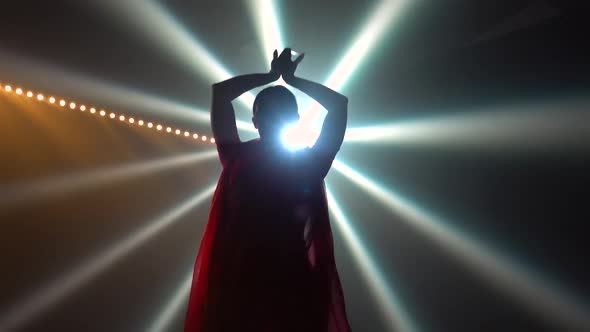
x=286 y=53
x=299 y=58
x=275 y=55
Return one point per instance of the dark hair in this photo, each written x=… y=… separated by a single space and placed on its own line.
x=276 y=98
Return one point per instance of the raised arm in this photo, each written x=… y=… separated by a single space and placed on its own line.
x=223 y=119
x=334 y=127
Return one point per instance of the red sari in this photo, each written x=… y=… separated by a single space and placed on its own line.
x=266 y=260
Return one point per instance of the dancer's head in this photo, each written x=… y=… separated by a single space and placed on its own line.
x=274 y=108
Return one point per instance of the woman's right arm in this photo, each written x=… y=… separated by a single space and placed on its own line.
x=223 y=119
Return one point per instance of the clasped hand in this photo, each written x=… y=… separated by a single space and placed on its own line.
x=283 y=65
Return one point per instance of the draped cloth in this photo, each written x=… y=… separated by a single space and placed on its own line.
x=266 y=259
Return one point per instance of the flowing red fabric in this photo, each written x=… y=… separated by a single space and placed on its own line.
x=266 y=260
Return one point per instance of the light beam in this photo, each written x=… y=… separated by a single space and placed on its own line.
x=378 y=23
x=19 y=192
x=529 y=130
x=174 y=306
x=160 y=26
x=47 y=77
x=60 y=288
x=391 y=308
x=267 y=26
x=535 y=293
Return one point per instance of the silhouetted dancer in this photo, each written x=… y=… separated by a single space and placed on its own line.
x=266 y=260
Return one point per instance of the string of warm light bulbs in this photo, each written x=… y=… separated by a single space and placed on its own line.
x=101 y=112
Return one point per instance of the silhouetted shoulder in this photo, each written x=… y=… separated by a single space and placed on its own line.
x=313 y=163
x=231 y=151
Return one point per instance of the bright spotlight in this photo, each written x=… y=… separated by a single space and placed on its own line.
x=40 y=97
x=140 y=122
x=93 y=110
x=102 y=113
x=19 y=91
x=112 y=115
x=122 y=118
x=177 y=131
x=298 y=136
x=392 y=309
x=131 y=120
x=72 y=105
x=51 y=100
x=292 y=137
x=195 y=136
x=168 y=129
x=186 y=133
x=52 y=293
x=8 y=88
x=204 y=138
x=82 y=108
x=212 y=140
x=30 y=94
x=537 y=294
x=150 y=124
x=62 y=103
x=159 y=127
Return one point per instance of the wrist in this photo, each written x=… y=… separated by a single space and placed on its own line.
x=290 y=79
x=271 y=77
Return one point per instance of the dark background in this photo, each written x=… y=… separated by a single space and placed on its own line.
x=442 y=57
